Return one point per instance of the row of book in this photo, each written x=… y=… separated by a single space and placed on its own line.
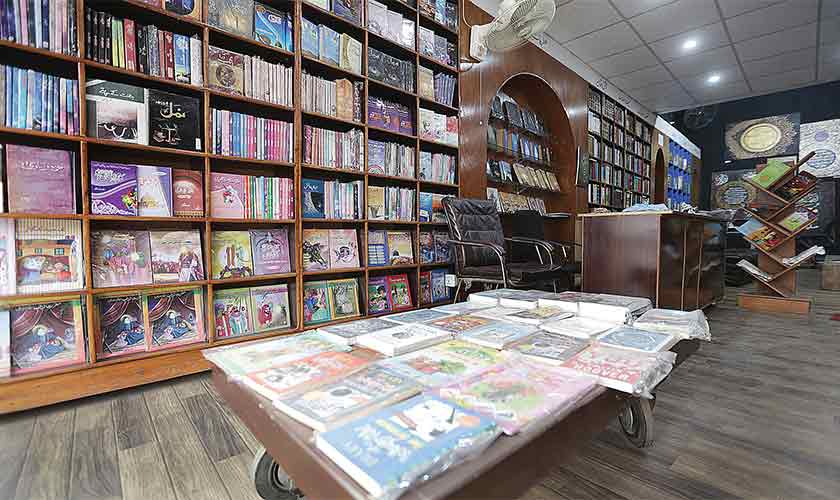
x=390 y=24
x=435 y=247
x=502 y=171
x=507 y=110
x=334 y=149
x=390 y=203
x=390 y=115
x=390 y=248
x=38 y=101
x=330 y=300
x=127 y=44
x=389 y=293
x=508 y=203
x=439 y=87
x=340 y=98
x=437 y=167
x=351 y=10
x=433 y=289
x=235 y=196
x=248 y=136
x=517 y=144
x=390 y=158
x=140 y=190
x=240 y=254
x=323 y=199
x=438 y=47
x=391 y=70
x=330 y=249
x=438 y=127
x=639 y=166
x=126 y=113
x=250 y=76
x=45 y=24
x=248 y=19
x=321 y=42
x=444 y=12
x=431 y=207
x=238 y=312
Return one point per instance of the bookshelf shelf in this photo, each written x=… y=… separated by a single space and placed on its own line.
x=430 y=142
x=391 y=268
x=439 y=184
x=434 y=23
x=217 y=34
x=309 y=60
x=394 y=133
x=142 y=147
x=333 y=170
x=38 y=133
x=146 y=287
x=388 y=87
x=434 y=62
x=252 y=279
x=334 y=119
x=249 y=221
x=349 y=270
x=248 y=100
x=391 y=177
x=438 y=106
x=141 y=218
x=242 y=159
x=113 y=70
x=58 y=56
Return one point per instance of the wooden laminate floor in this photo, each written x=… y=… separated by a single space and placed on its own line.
x=754 y=414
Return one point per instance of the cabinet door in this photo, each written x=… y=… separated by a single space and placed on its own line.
x=693 y=254
x=712 y=263
x=671 y=260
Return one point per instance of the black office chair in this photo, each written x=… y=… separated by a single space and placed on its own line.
x=530 y=224
x=482 y=250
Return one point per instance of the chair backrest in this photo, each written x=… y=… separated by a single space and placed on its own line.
x=527 y=224
x=474 y=220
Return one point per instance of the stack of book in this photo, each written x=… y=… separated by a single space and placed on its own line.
x=235 y=196
x=391 y=70
x=349 y=333
x=248 y=136
x=390 y=24
x=433 y=287
x=237 y=254
x=445 y=13
x=389 y=115
x=390 y=203
x=437 y=167
x=39 y=180
x=332 y=199
x=437 y=47
x=390 y=248
x=349 y=10
x=51 y=24
x=513 y=142
x=330 y=300
x=325 y=44
x=245 y=18
x=38 y=101
x=435 y=247
x=438 y=87
x=144 y=190
x=511 y=202
x=340 y=98
x=390 y=158
x=389 y=294
x=330 y=249
x=334 y=149
x=437 y=127
x=431 y=207
x=127 y=44
x=250 y=76
x=245 y=311
x=127 y=258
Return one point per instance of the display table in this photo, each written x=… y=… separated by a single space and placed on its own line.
x=507 y=469
x=674 y=259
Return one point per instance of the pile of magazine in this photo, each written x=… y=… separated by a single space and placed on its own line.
x=448 y=381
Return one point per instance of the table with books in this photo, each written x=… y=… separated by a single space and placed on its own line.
x=442 y=402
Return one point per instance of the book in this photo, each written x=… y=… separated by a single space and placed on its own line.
x=270 y=250
x=443 y=248
x=328 y=45
x=113 y=189
x=496 y=313
x=613 y=308
x=423 y=430
x=626 y=337
x=418 y=316
x=378 y=295
x=549 y=347
x=48 y=255
x=270 y=26
x=772 y=172
x=760 y=235
x=8 y=267
x=313 y=198
x=349 y=333
x=116 y=112
x=462 y=307
x=344 y=248
x=516 y=395
x=187 y=8
x=226 y=70
x=332 y=403
x=46 y=336
x=446 y=362
x=427 y=247
x=176 y=318
x=274 y=381
x=121 y=325
x=377 y=248
x=681 y=324
x=316 y=249
x=309 y=38
x=799 y=217
x=399 y=292
x=187 y=193
x=566 y=301
x=539 y=315
x=173 y=121
x=270 y=306
x=400 y=248
x=232 y=313
x=154 y=191
x=796 y=185
x=176 y=256
x=403 y=339
x=227 y=195
x=40 y=180
x=233 y=16
x=120 y=258
x=426 y=287
x=344 y=298
x=231 y=254
x=440 y=291
x=498 y=334
x=316 y=303
x=621 y=369
x=577 y=326
x=460 y=323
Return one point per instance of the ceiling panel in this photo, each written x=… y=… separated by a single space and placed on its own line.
x=642 y=78
x=777 y=43
x=608 y=41
x=780 y=63
x=780 y=81
x=625 y=62
x=830 y=30
x=709 y=93
x=732 y=8
x=723 y=57
x=651 y=91
x=580 y=17
x=707 y=38
x=630 y=8
x=674 y=18
x=829 y=70
x=770 y=19
x=830 y=8
x=728 y=76
x=679 y=100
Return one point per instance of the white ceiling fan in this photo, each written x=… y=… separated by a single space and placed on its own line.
x=516 y=23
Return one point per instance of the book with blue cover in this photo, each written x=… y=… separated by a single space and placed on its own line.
x=377 y=248
x=348 y=9
x=329 y=45
x=313 y=198
x=626 y=337
x=309 y=38
x=182 y=58
x=426 y=202
x=393 y=447
x=269 y=26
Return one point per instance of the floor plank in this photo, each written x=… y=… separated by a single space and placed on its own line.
x=46 y=471
x=143 y=474
x=216 y=433
x=236 y=471
x=15 y=434
x=94 y=467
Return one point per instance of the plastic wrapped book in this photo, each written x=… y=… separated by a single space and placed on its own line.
x=462 y=307
x=614 y=308
x=549 y=347
x=623 y=370
x=281 y=378
x=419 y=316
x=803 y=256
x=567 y=301
x=349 y=333
x=497 y=313
x=403 y=339
x=539 y=315
x=754 y=270
x=444 y=363
x=515 y=394
x=498 y=334
x=627 y=337
x=489 y=297
x=683 y=324
x=577 y=326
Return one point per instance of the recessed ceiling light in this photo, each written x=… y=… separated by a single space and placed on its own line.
x=713 y=78
x=689 y=44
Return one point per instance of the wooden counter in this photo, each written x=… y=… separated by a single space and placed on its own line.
x=674 y=259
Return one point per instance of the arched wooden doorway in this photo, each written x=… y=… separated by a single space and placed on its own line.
x=660 y=175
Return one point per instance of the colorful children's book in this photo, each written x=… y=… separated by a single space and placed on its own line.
x=800 y=216
x=154 y=191
x=49 y=255
x=419 y=316
x=517 y=394
x=400 y=249
x=316 y=249
x=279 y=379
x=577 y=326
x=316 y=303
x=227 y=195
x=399 y=292
x=120 y=258
x=269 y=25
x=344 y=248
x=176 y=318
x=443 y=249
x=377 y=248
x=550 y=347
x=445 y=363
x=461 y=323
x=231 y=252
x=332 y=403
x=422 y=432
x=498 y=334
x=232 y=312
x=378 y=296
x=403 y=339
x=270 y=307
x=623 y=370
x=349 y=333
x=113 y=189
x=270 y=249
x=187 y=193
x=121 y=325
x=425 y=287
x=626 y=337
x=344 y=298
x=760 y=235
x=427 y=247
x=46 y=336
x=40 y=180
x=539 y=315
x=176 y=256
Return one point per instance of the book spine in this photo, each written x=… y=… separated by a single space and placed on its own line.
x=142 y=49
x=130 y=43
x=154 y=51
x=170 y=55
x=196 y=73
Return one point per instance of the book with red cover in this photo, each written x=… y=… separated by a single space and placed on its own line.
x=399 y=292
x=187 y=194
x=169 y=53
x=40 y=180
x=130 y=45
x=162 y=55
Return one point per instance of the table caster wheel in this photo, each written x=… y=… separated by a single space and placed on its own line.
x=271 y=481
x=636 y=421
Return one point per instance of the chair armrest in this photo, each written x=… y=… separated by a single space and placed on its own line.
x=538 y=244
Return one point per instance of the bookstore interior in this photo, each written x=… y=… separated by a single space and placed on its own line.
x=325 y=249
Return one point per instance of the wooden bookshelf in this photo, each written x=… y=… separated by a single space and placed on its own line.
x=97 y=376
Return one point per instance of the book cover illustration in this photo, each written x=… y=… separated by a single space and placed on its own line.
x=622 y=369
x=46 y=336
x=400 y=248
x=176 y=256
x=577 y=326
x=281 y=378
x=175 y=318
x=550 y=347
x=347 y=333
x=316 y=303
x=421 y=431
x=227 y=70
x=270 y=305
x=344 y=248
x=227 y=195
x=187 y=193
x=498 y=334
x=439 y=289
x=49 y=255
x=121 y=258
x=113 y=189
x=517 y=394
x=40 y=180
x=419 y=316
x=539 y=315
x=799 y=217
x=773 y=171
x=313 y=198
x=377 y=248
x=187 y=8
x=626 y=337
x=362 y=391
x=231 y=252
x=443 y=249
x=268 y=25
x=427 y=247
x=173 y=121
x=316 y=249
x=460 y=323
x=344 y=298
x=116 y=112
x=233 y=16
x=399 y=292
x=8 y=268
x=445 y=363
x=378 y=297
x=154 y=191
x=121 y=323
x=232 y=313
x=270 y=250
x=426 y=288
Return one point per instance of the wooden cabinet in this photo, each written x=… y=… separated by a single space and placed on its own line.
x=676 y=260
